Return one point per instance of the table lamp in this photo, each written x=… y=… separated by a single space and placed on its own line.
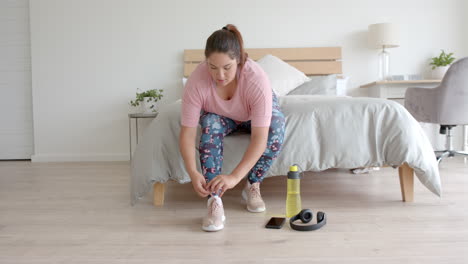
x=383 y=36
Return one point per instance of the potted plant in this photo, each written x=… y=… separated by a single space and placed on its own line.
x=147 y=100
x=441 y=64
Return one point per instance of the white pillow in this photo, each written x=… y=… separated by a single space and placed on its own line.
x=342 y=86
x=323 y=85
x=283 y=77
x=317 y=85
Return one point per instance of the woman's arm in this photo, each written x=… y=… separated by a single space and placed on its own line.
x=187 y=149
x=258 y=143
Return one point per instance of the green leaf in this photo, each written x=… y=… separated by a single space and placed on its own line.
x=443 y=59
x=153 y=94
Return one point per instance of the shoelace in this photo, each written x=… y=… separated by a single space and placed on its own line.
x=255 y=191
x=215 y=208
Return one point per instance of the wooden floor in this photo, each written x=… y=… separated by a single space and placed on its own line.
x=80 y=213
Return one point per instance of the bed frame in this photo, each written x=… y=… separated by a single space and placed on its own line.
x=311 y=61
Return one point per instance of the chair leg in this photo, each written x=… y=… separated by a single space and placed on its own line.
x=158 y=194
x=445 y=154
x=463 y=153
x=406 y=174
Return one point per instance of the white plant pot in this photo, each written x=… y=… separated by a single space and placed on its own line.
x=135 y=109
x=439 y=72
x=146 y=106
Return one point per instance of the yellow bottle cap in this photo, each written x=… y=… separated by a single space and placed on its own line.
x=292 y=168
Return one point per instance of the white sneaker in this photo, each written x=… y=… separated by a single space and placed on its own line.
x=253 y=199
x=214 y=219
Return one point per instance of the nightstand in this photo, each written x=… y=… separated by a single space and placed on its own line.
x=136 y=117
x=396 y=89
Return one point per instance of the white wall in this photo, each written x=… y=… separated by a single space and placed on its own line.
x=16 y=122
x=464 y=11
x=89 y=56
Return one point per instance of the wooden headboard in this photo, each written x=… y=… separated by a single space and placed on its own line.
x=311 y=61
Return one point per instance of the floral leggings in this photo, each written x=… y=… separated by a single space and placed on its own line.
x=216 y=127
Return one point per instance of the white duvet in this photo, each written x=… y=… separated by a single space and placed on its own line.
x=322 y=132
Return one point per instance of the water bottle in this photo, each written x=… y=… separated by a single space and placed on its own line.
x=293 y=198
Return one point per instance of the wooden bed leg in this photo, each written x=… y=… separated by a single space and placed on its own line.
x=406 y=182
x=158 y=194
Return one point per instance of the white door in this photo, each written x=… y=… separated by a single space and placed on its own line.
x=16 y=123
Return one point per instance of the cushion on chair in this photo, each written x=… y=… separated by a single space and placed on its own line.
x=453 y=95
x=420 y=103
x=446 y=104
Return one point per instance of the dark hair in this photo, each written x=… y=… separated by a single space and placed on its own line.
x=227 y=40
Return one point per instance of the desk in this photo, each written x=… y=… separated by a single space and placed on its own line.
x=136 y=117
x=396 y=89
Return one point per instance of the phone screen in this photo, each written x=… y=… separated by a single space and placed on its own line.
x=275 y=222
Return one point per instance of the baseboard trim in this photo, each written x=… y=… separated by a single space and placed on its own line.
x=79 y=157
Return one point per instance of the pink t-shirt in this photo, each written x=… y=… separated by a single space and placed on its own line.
x=252 y=99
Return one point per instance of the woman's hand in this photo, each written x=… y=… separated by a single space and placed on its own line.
x=199 y=184
x=223 y=183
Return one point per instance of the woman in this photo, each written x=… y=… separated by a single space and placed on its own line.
x=227 y=92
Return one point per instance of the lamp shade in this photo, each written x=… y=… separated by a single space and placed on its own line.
x=383 y=35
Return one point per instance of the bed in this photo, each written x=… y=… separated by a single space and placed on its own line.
x=322 y=132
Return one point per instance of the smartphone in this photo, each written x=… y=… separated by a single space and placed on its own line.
x=276 y=222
